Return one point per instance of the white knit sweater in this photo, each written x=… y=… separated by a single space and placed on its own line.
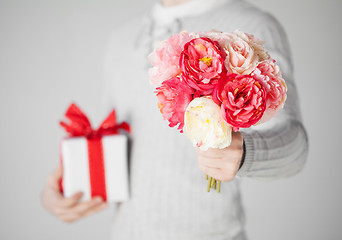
x=168 y=190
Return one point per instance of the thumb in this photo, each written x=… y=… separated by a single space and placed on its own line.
x=55 y=176
x=58 y=173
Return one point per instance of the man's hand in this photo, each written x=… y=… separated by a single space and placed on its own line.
x=67 y=209
x=222 y=164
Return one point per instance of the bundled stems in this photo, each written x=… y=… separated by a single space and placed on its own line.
x=213 y=183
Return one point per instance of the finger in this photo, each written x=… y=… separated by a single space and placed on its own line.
x=212 y=172
x=74 y=216
x=95 y=209
x=83 y=207
x=69 y=218
x=210 y=162
x=76 y=207
x=71 y=201
x=58 y=173
x=211 y=152
x=219 y=174
x=55 y=176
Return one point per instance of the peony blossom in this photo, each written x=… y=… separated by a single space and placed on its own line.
x=165 y=58
x=173 y=98
x=202 y=64
x=268 y=74
x=205 y=126
x=211 y=83
x=242 y=99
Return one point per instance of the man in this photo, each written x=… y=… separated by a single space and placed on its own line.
x=168 y=192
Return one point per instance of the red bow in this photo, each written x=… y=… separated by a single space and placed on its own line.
x=80 y=125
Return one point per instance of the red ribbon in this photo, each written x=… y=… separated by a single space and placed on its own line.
x=80 y=126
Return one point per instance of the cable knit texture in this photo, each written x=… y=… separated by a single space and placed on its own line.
x=168 y=190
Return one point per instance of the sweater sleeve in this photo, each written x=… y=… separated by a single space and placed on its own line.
x=278 y=148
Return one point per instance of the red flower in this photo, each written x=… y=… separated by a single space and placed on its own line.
x=202 y=64
x=242 y=99
x=173 y=98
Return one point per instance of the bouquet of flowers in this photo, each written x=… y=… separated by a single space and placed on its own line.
x=208 y=84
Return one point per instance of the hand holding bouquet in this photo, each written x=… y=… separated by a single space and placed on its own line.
x=211 y=83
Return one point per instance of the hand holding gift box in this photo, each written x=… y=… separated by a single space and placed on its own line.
x=94 y=161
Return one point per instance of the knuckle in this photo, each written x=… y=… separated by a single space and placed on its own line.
x=90 y=211
x=70 y=201
x=43 y=198
x=200 y=159
x=57 y=211
x=227 y=178
x=77 y=211
x=226 y=164
x=231 y=164
x=67 y=202
x=68 y=220
x=62 y=203
x=50 y=180
x=203 y=168
x=81 y=209
x=76 y=214
x=79 y=215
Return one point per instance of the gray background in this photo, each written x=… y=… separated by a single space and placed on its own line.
x=51 y=52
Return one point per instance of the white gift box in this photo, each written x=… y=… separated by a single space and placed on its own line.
x=76 y=172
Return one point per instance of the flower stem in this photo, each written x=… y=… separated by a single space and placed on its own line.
x=212 y=182
x=209 y=183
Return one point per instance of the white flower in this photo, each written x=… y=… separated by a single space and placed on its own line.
x=204 y=124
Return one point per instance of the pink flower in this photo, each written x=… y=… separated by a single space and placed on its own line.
x=173 y=98
x=242 y=99
x=165 y=58
x=244 y=53
x=222 y=38
x=255 y=43
x=268 y=74
x=202 y=64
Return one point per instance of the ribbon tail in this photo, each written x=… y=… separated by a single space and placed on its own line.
x=79 y=123
x=109 y=122
x=110 y=126
x=125 y=126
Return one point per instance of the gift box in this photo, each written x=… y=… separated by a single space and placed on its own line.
x=94 y=161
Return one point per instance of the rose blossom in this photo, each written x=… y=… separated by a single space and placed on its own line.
x=244 y=53
x=165 y=58
x=202 y=64
x=173 y=98
x=204 y=124
x=268 y=74
x=242 y=99
x=255 y=43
